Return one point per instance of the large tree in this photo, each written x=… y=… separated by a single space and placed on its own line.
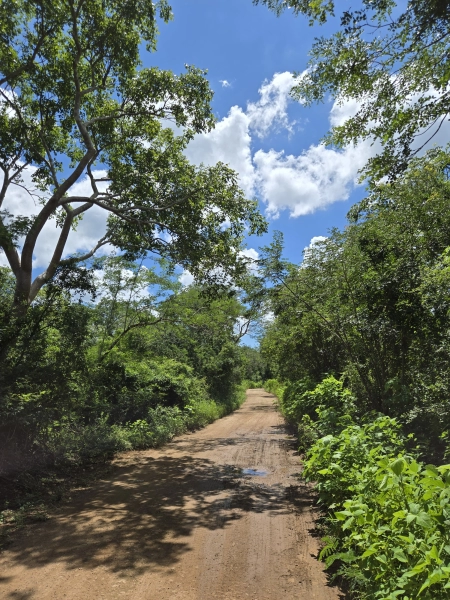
x=75 y=102
x=393 y=60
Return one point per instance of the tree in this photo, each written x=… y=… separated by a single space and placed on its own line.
x=371 y=302
x=75 y=102
x=392 y=61
x=130 y=296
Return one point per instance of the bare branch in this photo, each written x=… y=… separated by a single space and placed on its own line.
x=77 y=259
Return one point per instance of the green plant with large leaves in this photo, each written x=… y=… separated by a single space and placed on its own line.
x=334 y=462
x=392 y=534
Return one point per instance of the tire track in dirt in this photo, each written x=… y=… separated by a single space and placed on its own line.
x=182 y=523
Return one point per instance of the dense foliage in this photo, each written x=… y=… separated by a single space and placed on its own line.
x=360 y=340
x=147 y=360
x=370 y=303
x=389 y=61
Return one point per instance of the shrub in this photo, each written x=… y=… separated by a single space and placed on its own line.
x=272 y=386
x=335 y=462
x=202 y=413
x=251 y=385
x=74 y=443
x=394 y=540
x=299 y=399
x=388 y=525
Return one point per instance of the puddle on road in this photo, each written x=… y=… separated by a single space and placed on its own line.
x=255 y=472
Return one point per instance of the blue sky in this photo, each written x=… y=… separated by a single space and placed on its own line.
x=304 y=188
x=246 y=46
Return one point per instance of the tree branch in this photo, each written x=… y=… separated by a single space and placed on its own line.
x=104 y=240
x=55 y=260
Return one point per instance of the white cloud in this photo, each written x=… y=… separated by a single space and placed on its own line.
x=315 y=241
x=225 y=83
x=250 y=253
x=341 y=111
x=252 y=256
x=271 y=109
x=308 y=182
x=229 y=143
x=186 y=279
x=298 y=183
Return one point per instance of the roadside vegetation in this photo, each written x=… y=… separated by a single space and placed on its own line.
x=85 y=380
x=104 y=350
x=100 y=355
x=358 y=341
x=360 y=349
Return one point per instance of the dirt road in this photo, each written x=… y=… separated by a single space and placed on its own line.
x=182 y=523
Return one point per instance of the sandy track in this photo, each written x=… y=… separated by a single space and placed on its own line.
x=182 y=523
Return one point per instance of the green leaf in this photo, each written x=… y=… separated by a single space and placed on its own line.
x=400 y=555
x=424 y=520
x=398 y=466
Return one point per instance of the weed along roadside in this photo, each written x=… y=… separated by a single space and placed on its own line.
x=78 y=457
x=217 y=513
x=387 y=513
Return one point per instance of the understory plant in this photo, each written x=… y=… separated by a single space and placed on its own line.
x=387 y=514
x=392 y=535
x=275 y=387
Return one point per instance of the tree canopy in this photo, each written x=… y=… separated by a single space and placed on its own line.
x=75 y=102
x=392 y=62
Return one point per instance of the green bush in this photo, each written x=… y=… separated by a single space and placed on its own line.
x=329 y=396
x=335 y=462
x=394 y=540
x=307 y=433
x=76 y=443
x=200 y=414
x=272 y=386
x=389 y=515
x=251 y=385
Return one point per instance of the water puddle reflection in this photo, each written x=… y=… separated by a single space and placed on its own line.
x=254 y=472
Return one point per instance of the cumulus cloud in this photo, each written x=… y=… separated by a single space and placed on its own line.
x=270 y=111
x=300 y=184
x=229 y=143
x=186 y=278
x=308 y=182
x=297 y=183
x=251 y=255
x=315 y=241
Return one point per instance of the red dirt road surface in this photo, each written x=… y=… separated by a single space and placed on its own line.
x=182 y=523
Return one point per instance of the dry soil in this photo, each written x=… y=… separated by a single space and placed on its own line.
x=183 y=523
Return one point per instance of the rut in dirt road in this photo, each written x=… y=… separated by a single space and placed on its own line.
x=186 y=522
